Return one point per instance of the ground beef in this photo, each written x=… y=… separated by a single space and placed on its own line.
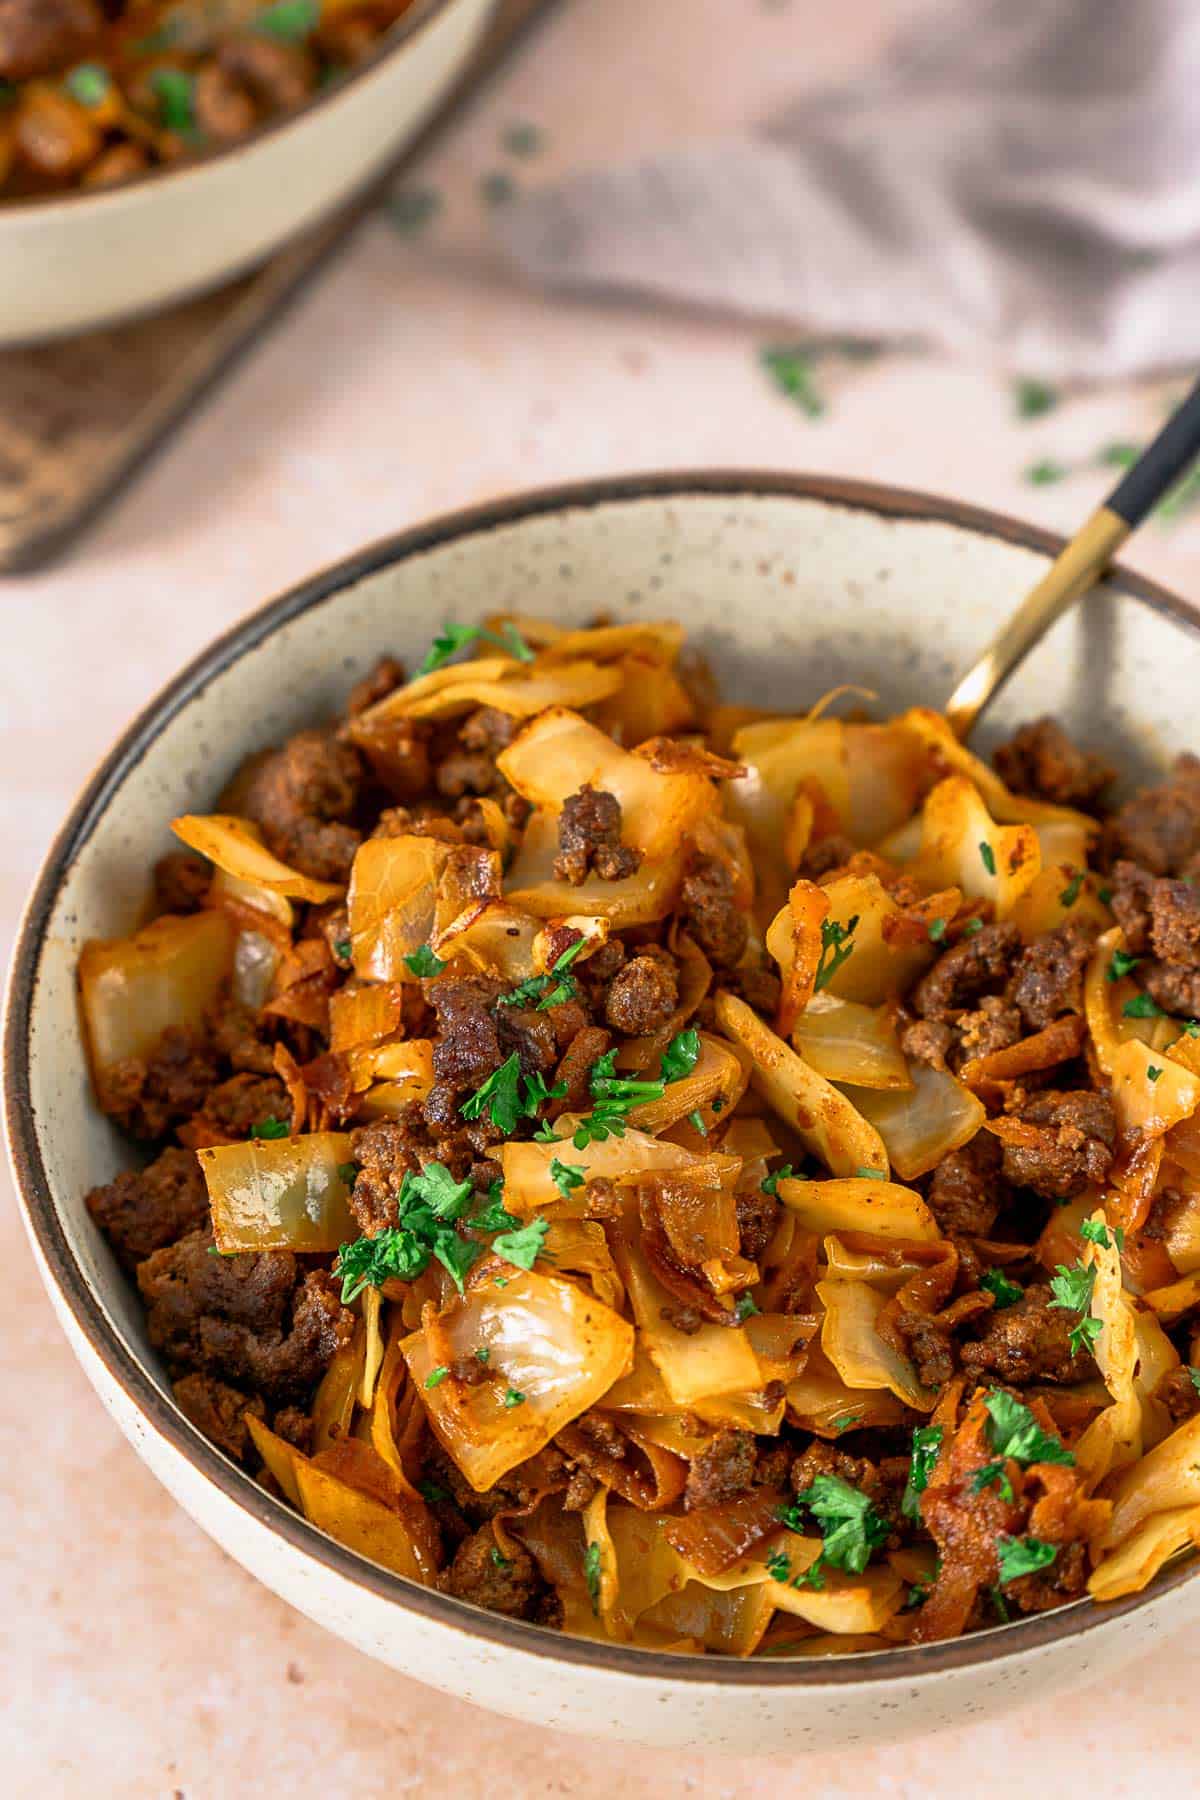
x=1173 y=987
x=38 y=37
x=724 y=1467
x=1132 y=891
x=1161 y=916
x=589 y=839
x=255 y=1321
x=1027 y=1341
x=643 y=995
x=1159 y=829
x=960 y=976
x=993 y=1025
x=468 y=1047
x=238 y=1035
x=391 y=1148
x=928 y=1041
x=300 y=796
x=1073 y=1146
x=758 y=986
x=488 y=729
x=218 y=1411
x=883 y=1483
x=148 y=1096
x=384 y=679
x=1175 y=922
x=506 y=1582
x=181 y=883
x=144 y=1209
x=1042 y=761
x=531 y=1034
x=1177 y=1392
x=967 y=1190
x=709 y=911
x=824 y=856
x=240 y=1103
x=295 y=1426
x=757 y=1217
x=930 y=1345
x=1048 y=978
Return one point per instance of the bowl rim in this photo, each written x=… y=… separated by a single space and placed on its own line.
x=396 y=39
x=1036 y=1632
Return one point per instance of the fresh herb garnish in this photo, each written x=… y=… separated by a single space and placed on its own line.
x=347 y=1174
x=987 y=856
x=424 y=963
x=521 y=139
x=428 y=1207
x=493 y=1216
x=614 y=1096
x=680 y=1056
x=534 y=989
x=291 y=21
x=849 y=1524
x=791 y=370
x=937 y=931
x=1071 y=892
x=1014 y=1432
x=436 y=1376
x=431 y=1491
x=770 y=1183
x=972 y=927
x=1152 y=1073
x=837 y=946
x=412 y=208
x=591 y=1575
x=1097 y=1233
x=1072 y=1292
x=865 y=1174
x=993 y=1475
x=1042 y=474
x=844 y=1421
x=696 y=1121
x=523 y=1246
x=1033 y=398
x=513 y=1397
x=567 y=1176
x=343 y=949
x=508 y=1097
x=926 y=1442
x=1005 y=1292
x=483 y=1354
x=175 y=91
x=779 y=1565
x=89 y=84
x=1023 y=1556
x=1141 y=1006
x=1194 y=1376
x=454 y=638
x=1120 y=963
x=270 y=1127
x=499 y=1560
x=745 y=1308
x=1001 y=1605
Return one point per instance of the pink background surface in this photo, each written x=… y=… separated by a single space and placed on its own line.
x=136 y=1660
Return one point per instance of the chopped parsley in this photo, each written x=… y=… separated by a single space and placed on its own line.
x=270 y=1127
x=436 y=1376
x=493 y=1216
x=527 y=992
x=614 y=1096
x=1033 y=398
x=865 y=1174
x=745 y=1308
x=1104 y=895
x=429 y=1206
x=175 y=91
x=987 y=856
x=454 y=638
x=1071 y=892
x=343 y=950
x=696 y=1120
x=424 y=963
x=844 y=1421
x=567 y=1176
x=1152 y=1073
x=1042 y=474
x=1001 y=1605
x=507 y=1096
x=973 y=927
x=1004 y=1291
x=291 y=21
x=993 y=1475
x=837 y=945
x=926 y=1442
x=1120 y=963
x=850 y=1527
x=347 y=1174
x=431 y=1492
x=513 y=1397
x=1072 y=1292
x=779 y=1565
x=499 y=1560
x=89 y=84
x=1141 y=1006
x=522 y=139
x=1014 y=1432
x=680 y=1056
x=522 y=1247
x=412 y=208
x=591 y=1575
x=1023 y=1556
x=1194 y=1376
x=483 y=1354
x=1096 y=1232
x=770 y=1183
x=791 y=370
x=937 y=931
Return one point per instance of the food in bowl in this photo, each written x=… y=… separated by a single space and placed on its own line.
x=712 y=1180
x=93 y=94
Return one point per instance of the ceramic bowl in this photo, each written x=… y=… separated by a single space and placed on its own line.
x=82 y=260
x=790 y=586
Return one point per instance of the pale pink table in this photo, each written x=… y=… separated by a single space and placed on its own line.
x=135 y=1660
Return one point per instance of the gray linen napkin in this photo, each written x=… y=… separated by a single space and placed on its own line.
x=1017 y=180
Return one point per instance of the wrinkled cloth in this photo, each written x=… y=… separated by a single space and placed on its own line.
x=1017 y=180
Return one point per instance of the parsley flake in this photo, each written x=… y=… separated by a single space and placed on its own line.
x=1014 y=1432
x=993 y=1475
x=270 y=1127
x=680 y=1056
x=348 y=1174
x=851 y=1529
x=523 y=1247
x=1023 y=1556
x=436 y=1376
x=770 y=1183
x=837 y=945
x=865 y=1174
x=987 y=856
x=1042 y=474
x=779 y=1565
x=973 y=927
x=428 y=1206
x=89 y=84
x=424 y=963
x=175 y=91
x=926 y=1442
x=1097 y=1233
x=591 y=1575
x=937 y=931
x=1005 y=1292
x=1071 y=892
x=431 y=1492
x=343 y=949
x=513 y=1397
x=499 y=1096
x=1141 y=1006
x=1120 y=963
x=567 y=1176
x=291 y=21
x=1194 y=1376
x=791 y=370
x=1152 y=1073
x=696 y=1121
x=1033 y=398
x=745 y=1308
x=454 y=638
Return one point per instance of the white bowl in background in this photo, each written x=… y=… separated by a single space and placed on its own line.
x=89 y=258
x=790 y=586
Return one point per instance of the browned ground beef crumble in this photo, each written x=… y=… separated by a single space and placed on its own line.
x=257 y=1332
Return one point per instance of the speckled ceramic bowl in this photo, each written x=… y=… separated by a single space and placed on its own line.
x=91 y=258
x=790 y=586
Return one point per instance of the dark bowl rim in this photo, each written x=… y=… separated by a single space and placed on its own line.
x=1034 y=1633
x=394 y=41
